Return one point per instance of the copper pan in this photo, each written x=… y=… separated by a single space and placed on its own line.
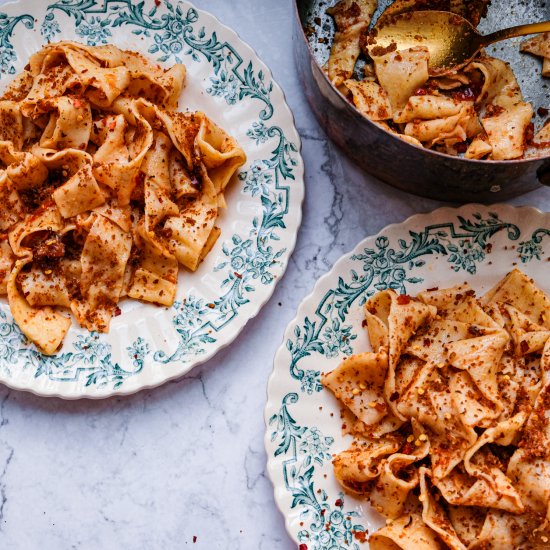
x=398 y=163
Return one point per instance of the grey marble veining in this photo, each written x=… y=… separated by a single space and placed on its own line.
x=158 y=468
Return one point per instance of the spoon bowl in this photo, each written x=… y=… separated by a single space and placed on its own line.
x=451 y=40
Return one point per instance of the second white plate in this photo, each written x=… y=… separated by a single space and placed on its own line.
x=474 y=243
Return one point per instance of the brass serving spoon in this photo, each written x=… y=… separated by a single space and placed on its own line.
x=451 y=40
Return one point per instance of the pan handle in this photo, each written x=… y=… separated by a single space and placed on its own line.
x=543 y=174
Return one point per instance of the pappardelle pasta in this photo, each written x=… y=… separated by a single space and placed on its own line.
x=478 y=112
x=450 y=415
x=105 y=188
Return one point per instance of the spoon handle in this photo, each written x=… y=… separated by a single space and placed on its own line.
x=520 y=30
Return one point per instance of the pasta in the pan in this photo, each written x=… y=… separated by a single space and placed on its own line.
x=539 y=46
x=105 y=189
x=478 y=112
x=450 y=415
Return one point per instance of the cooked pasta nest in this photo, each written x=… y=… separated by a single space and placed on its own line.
x=105 y=188
x=478 y=112
x=450 y=416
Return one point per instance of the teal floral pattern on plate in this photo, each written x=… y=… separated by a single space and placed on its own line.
x=149 y=345
x=532 y=249
x=449 y=246
x=174 y=37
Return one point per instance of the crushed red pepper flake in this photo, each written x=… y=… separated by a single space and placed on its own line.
x=403 y=299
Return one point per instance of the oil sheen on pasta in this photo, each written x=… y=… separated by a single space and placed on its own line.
x=450 y=415
x=105 y=188
x=478 y=112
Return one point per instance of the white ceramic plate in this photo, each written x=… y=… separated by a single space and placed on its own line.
x=474 y=243
x=148 y=345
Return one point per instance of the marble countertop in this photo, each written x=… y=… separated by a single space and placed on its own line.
x=157 y=469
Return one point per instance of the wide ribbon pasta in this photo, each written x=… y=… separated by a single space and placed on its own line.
x=105 y=189
x=352 y=18
x=450 y=415
x=477 y=111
